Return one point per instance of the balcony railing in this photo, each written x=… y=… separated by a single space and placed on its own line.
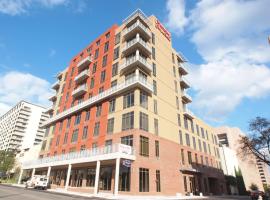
x=135 y=15
x=135 y=81
x=56 y=85
x=83 y=156
x=135 y=61
x=49 y=109
x=53 y=97
x=82 y=76
x=137 y=43
x=184 y=82
x=188 y=113
x=182 y=68
x=79 y=90
x=84 y=62
x=137 y=27
x=186 y=98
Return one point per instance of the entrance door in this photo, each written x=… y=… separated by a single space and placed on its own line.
x=192 y=184
x=105 y=178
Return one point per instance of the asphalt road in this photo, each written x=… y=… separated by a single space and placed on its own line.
x=16 y=193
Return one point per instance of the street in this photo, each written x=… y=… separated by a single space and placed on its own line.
x=16 y=193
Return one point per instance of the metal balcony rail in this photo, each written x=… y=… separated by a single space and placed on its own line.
x=139 y=24
x=131 y=60
x=80 y=88
x=135 y=40
x=80 y=75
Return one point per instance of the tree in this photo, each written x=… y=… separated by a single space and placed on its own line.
x=258 y=141
x=253 y=186
x=7 y=161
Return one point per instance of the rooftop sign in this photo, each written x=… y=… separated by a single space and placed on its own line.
x=163 y=30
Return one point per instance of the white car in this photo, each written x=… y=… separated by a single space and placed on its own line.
x=37 y=181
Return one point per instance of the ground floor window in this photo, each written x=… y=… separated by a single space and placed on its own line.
x=105 y=178
x=144 y=180
x=124 y=178
x=90 y=177
x=158 y=181
x=185 y=183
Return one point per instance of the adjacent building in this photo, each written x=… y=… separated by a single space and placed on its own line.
x=20 y=127
x=233 y=160
x=120 y=121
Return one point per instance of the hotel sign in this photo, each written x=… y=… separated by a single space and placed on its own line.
x=163 y=30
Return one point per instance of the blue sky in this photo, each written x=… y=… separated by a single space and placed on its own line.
x=224 y=41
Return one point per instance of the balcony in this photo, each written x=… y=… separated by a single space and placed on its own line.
x=56 y=85
x=84 y=63
x=188 y=113
x=102 y=153
x=184 y=82
x=82 y=76
x=186 y=98
x=49 y=109
x=182 y=68
x=79 y=90
x=135 y=81
x=53 y=98
x=137 y=43
x=137 y=27
x=59 y=75
x=135 y=61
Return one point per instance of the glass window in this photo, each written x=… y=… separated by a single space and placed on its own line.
x=194 y=143
x=104 y=60
x=202 y=132
x=124 y=178
x=144 y=146
x=112 y=106
x=98 y=42
x=198 y=130
x=117 y=38
x=77 y=119
x=185 y=183
x=154 y=69
x=155 y=107
x=189 y=158
x=106 y=47
x=74 y=137
x=158 y=188
x=85 y=132
x=114 y=83
x=98 y=111
x=157 y=148
x=156 y=126
x=94 y=68
x=92 y=83
x=143 y=121
x=154 y=87
x=187 y=140
x=153 y=38
x=183 y=156
x=102 y=76
x=87 y=115
x=186 y=123
x=110 y=125
x=177 y=103
x=96 y=54
x=57 y=140
x=204 y=147
x=115 y=69
x=127 y=140
x=90 y=177
x=144 y=180
x=175 y=87
x=96 y=129
x=65 y=138
x=200 y=144
x=116 y=53
x=153 y=53
x=192 y=126
x=128 y=100
x=101 y=89
x=180 y=137
x=179 y=119
x=128 y=121
x=143 y=99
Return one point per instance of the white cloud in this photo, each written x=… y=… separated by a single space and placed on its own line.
x=18 y=7
x=231 y=37
x=17 y=86
x=176 y=20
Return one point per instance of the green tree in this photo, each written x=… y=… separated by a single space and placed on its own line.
x=7 y=161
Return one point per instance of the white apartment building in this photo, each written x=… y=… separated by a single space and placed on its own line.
x=20 y=127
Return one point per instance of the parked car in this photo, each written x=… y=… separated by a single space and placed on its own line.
x=37 y=182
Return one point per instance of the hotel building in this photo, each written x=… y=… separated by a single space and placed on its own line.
x=20 y=127
x=120 y=121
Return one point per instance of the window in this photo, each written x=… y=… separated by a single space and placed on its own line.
x=77 y=119
x=65 y=138
x=74 y=137
x=87 y=115
x=127 y=140
x=206 y=133
x=96 y=129
x=114 y=83
x=175 y=87
x=186 y=122
x=143 y=121
x=155 y=107
x=157 y=148
x=180 y=137
x=98 y=42
x=128 y=121
x=104 y=60
x=83 y=148
x=110 y=125
x=198 y=130
x=102 y=76
x=177 y=103
x=128 y=100
x=187 y=140
x=202 y=132
x=89 y=49
x=101 y=89
x=57 y=140
x=108 y=146
x=204 y=147
x=67 y=95
x=154 y=87
x=153 y=53
x=206 y=161
x=60 y=126
x=112 y=106
x=94 y=68
x=96 y=54
x=154 y=69
x=153 y=38
x=183 y=156
x=85 y=132
x=156 y=126
x=202 y=160
x=144 y=180
x=116 y=53
x=115 y=69
x=200 y=144
x=90 y=177
x=94 y=146
x=192 y=126
x=196 y=158
x=98 y=111
x=143 y=99
x=173 y=58
x=72 y=71
x=117 y=38
x=92 y=83
x=178 y=119
x=189 y=158
x=144 y=146
x=185 y=183
x=108 y=35
x=106 y=47
x=158 y=188
x=209 y=149
x=194 y=143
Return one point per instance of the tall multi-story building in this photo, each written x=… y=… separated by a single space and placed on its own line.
x=20 y=127
x=120 y=121
x=232 y=159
